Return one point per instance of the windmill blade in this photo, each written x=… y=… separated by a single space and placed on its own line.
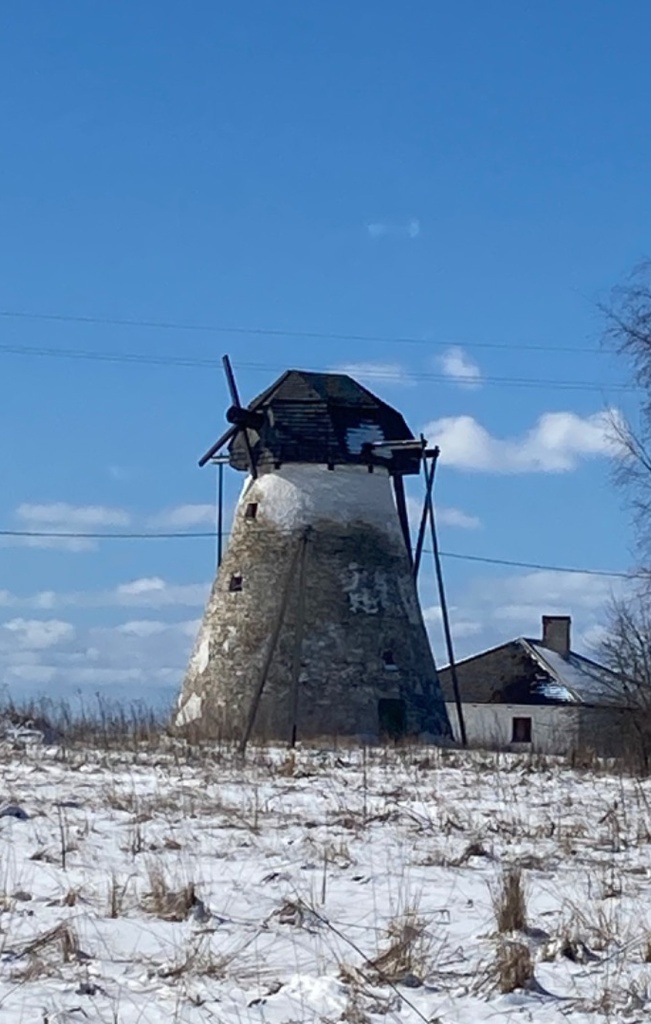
x=230 y=379
x=217 y=445
x=237 y=405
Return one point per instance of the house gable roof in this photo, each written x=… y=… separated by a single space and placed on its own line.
x=533 y=674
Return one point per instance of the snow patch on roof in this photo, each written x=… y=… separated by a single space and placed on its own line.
x=365 y=433
x=577 y=680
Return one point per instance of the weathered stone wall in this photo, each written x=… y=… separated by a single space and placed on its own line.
x=503 y=674
x=360 y=611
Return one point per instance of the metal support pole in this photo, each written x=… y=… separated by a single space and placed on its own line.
x=220 y=512
x=220 y=461
x=432 y=455
x=444 y=607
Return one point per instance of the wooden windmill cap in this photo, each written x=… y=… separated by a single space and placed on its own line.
x=326 y=418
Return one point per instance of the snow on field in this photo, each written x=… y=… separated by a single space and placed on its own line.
x=137 y=888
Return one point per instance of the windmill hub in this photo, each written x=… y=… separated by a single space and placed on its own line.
x=244 y=417
x=313 y=627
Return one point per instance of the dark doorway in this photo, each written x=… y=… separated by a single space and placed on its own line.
x=392 y=716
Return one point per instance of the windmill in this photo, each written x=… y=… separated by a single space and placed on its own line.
x=313 y=626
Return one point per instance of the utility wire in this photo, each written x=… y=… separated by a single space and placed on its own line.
x=388 y=375
x=273 y=332
x=211 y=534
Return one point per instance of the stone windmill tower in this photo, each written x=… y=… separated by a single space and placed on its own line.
x=313 y=627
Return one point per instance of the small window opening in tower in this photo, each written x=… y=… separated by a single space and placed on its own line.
x=235 y=584
x=251 y=510
x=389 y=661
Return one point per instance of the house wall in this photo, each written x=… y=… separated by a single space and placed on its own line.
x=554 y=729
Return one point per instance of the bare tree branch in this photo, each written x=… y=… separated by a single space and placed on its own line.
x=628 y=331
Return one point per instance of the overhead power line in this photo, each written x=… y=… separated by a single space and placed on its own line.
x=274 y=332
x=211 y=534
x=375 y=373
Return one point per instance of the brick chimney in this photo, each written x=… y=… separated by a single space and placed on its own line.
x=556 y=633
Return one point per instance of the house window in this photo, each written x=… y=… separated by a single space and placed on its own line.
x=521 y=730
x=389 y=660
x=235 y=583
x=251 y=510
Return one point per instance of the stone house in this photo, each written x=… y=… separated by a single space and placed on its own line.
x=540 y=695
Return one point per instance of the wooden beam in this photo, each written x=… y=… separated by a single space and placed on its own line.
x=401 y=505
x=271 y=648
x=298 y=636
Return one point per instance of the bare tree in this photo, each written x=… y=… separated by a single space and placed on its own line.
x=625 y=649
x=626 y=644
x=628 y=330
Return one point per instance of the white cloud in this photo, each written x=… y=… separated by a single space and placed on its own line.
x=39 y=675
x=183 y=516
x=144 y=585
x=459 y=367
x=462 y=627
x=490 y=610
x=147 y=592
x=136 y=658
x=456 y=517
x=154 y=592
x=372 y=374
x=397 y=229
x=555 y=444
x=446 y=515
x=61 y=516
x=142 y=627
x=38 y=633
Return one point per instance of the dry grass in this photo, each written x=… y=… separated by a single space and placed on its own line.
x=102 y=724
x=46 y=952
x=116 y=898
x=163 y=899
x=509 y=902
x=408 y=954
x=200 y=961
x=514 y=966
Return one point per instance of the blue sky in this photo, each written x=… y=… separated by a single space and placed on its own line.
x=470 y=176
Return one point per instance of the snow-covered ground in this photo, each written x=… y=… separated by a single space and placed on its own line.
x=337 y=886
